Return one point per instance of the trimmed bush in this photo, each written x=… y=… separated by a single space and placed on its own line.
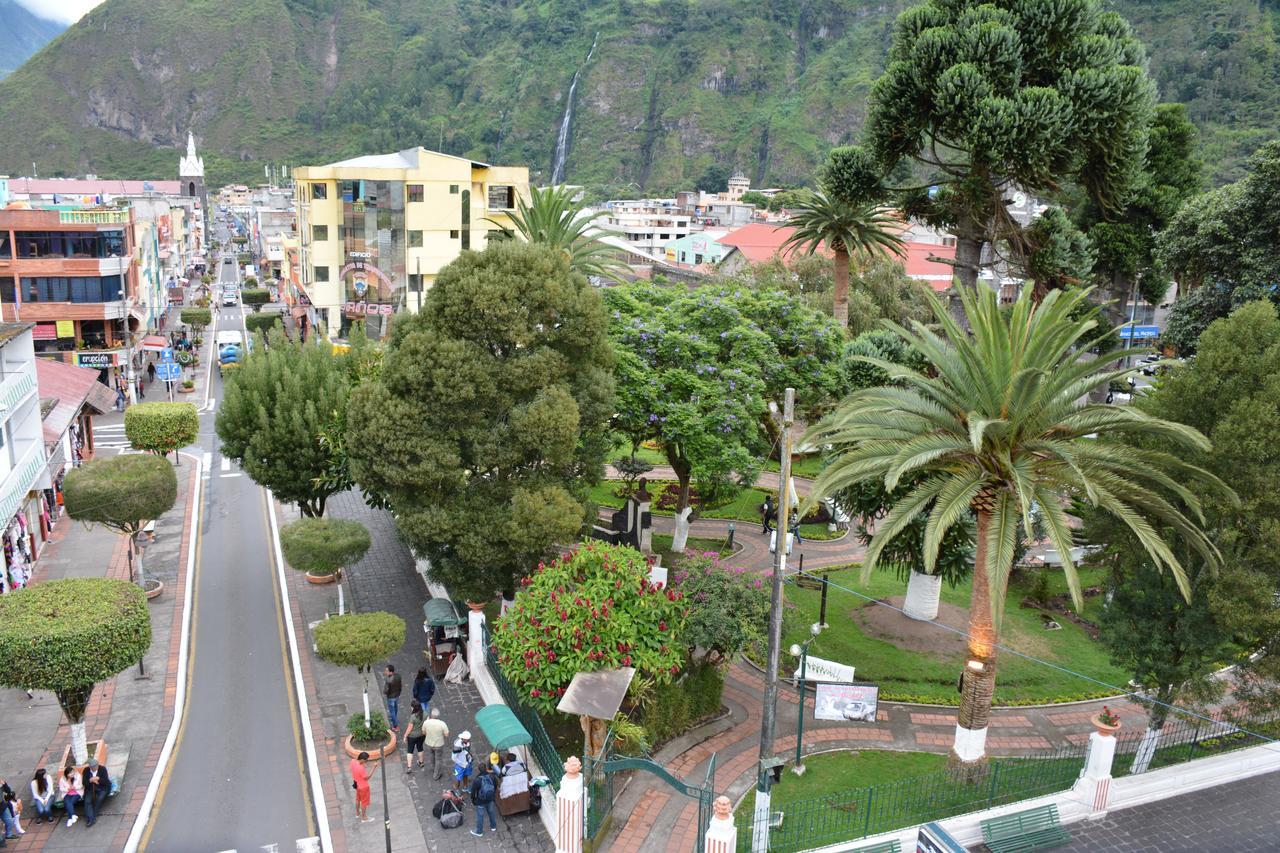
x=322 y=546
x=359 y=639
x=255 y=296
x=122 y=493
x=196 y=318
x=161 y=427
x=371 y=734
x=262 y=322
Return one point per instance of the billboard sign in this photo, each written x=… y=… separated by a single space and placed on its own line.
x=846 y=702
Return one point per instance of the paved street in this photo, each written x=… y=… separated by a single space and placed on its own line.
x=1239 y=816
x=237 y=780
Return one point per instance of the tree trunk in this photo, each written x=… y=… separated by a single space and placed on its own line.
x=968 y=259
x=79 y=744
x=366 y=701
x=594 y=731
x=968 y=759
x=840 y=293
x=923 y=592
x=1151 y=737
x=142 y=575
x=684 y=476
x=680 y=535
x=74 y=703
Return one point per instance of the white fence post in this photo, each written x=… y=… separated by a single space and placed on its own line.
x=722 y=835
x=1095 y=781
x=569 y=803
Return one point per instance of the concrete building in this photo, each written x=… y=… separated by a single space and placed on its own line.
x=739 y=185
x=648 y=224
x=26 y=489
x=376 y=230
x=701 y=248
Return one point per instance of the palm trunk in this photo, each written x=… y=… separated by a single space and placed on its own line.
x=968 y=757
x=923 y=592
x=840 y=294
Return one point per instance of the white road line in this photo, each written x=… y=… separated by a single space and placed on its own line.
x=232 y=474
x=225 y=464
x=309 y=845
x=206 y=459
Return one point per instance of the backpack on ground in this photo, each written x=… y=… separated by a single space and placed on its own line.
x=449 y=812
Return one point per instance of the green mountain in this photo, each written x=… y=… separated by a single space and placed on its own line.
x=673 y=86
x=22 y=34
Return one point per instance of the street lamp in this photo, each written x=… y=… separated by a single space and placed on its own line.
x=801 y=650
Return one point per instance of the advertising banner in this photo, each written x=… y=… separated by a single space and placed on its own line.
x=846 y=702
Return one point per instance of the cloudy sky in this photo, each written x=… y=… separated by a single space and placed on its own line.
x=67 y=11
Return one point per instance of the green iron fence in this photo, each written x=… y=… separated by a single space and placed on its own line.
x=599 y=790
x=543 y=750
x=1184 y=738
x=860 y=812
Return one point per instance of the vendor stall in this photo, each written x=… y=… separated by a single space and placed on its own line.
x=443 y=626
x=504 y=732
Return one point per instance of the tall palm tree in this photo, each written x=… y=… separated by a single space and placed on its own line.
x=552 y=218
x=999 y=424
x=847 y=230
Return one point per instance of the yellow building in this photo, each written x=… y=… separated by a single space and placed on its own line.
x=376 y=230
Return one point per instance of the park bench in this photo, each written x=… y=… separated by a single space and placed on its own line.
x=1034 y=829
x=883 y=847
x=117 y=765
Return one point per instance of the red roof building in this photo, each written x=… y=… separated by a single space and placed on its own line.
x=69 y=396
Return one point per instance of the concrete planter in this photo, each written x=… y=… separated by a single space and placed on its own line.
x=323 y=579
x=375 y=753
x=153 y=589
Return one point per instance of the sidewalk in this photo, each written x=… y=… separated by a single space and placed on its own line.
x=131 y=712
x=387 y=579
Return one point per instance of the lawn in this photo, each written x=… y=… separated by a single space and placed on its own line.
x=662 y=547
x=744 y=506
x=915 y=661
x=801 y=466
x=848 y=795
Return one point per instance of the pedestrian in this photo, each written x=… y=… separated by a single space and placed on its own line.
x=97 y=787
x=795 y=527
x=392 y=688
x=69 y=787
x=42 y=797
x=10 y=808
x=151 y=371
x=484 y=790
x=424 y=687
x=120 y=398
x=766 y=513
x=463 y=761
x=413 y=736
x=360 y=781
x=436 y=733
x=141 y=394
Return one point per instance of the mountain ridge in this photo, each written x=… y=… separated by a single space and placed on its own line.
x=22 y=33
x=765 y=86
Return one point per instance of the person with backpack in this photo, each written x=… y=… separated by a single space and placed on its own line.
x=484 y=790
x=463 y=761
x=424 y=688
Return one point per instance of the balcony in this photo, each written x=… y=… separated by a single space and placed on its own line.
x=21 y=478
x=14 y=389
x=119 y=216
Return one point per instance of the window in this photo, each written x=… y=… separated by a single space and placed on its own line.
x=697 y=259
x=7 y=294
x=322 y=274
x=6 y=248
x=453 y=189
x=453 y=235
x=415 y=239
x=415 y=192
x=80 y=289
x=466 y=219
x=948 y=241
x=664 y=236
x=319 y=192
x=69 y=244
x=319 y=232
x=502 y=197
x=415 y=282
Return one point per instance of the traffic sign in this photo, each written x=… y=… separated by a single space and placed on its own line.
x=166 y=355
x=1139 y=332
x=168 y=371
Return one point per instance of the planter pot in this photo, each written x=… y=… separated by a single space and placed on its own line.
x=477 y=606
x=375 y=753
x=153 y=589
x=323 y=579
x=1103 y=728
x=186 y=390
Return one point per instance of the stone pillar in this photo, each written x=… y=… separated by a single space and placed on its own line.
x=569 y=809
x=475 y=639
x=722 y=835
x=1095 y=781
x=644 y=521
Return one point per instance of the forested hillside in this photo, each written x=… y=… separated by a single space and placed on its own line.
x=21 y=34
x=765 y=86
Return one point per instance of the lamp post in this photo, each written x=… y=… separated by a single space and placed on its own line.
x=801 y=650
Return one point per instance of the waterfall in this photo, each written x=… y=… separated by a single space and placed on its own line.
x=562 y=138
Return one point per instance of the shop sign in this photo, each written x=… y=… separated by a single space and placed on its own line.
x=97 y=360
x=361 y=308
x=66 y=328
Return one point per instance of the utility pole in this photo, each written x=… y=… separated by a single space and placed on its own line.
x=764 y=772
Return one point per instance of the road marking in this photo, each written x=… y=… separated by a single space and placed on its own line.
x=232 y=474
x=225 y=464
x=206 y=459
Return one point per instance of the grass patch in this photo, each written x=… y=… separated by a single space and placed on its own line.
x=920 y=676
x=662 y=547
x=801 y=466
x=743 y=506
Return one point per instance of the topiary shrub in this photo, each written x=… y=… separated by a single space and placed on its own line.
x=322 y=546
x=65 y=636
x=263 y=322
x=255 y=296
x=161 y=427
x=360 y=640
x=196 y=318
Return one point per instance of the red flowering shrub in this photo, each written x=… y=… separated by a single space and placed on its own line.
x=592 y=609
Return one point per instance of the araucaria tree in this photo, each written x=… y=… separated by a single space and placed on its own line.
x=65 y=636
x=985 y=98
x=697 y=370
x=489 y=415
x=997 y=426
x=277 y=406
x=122 y=493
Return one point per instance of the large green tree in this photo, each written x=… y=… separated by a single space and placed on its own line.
x=277 y=406
x=698 y=369
x=552 y=218
x=489 y=415
x=988 y=97
x=845 y=229
x=997 y=426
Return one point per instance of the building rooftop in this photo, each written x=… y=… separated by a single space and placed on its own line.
x=90 y=186
x=761 y=241
x=9 y=331
x=406 y=159
x=69 y=387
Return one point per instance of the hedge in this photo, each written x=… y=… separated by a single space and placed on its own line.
x=359 y=639
x=262 y=322
x=122 y=493
x=322 y=546
x=196 y=318
x=255 y=296
x=161 y=427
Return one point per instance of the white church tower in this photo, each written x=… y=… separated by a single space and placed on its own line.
x=191 y=172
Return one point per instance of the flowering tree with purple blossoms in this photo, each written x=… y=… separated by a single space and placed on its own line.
x=696 y=371
x=728 y=606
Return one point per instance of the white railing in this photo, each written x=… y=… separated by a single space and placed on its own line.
x=14 y=389
x=94 y=217
x=21 y=479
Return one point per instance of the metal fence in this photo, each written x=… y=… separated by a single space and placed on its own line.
x=542 y=747
x=1185 y=738
x=860 y=812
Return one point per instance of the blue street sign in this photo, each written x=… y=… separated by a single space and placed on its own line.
x=166 y=355
x=1137 y=332
x=168 y=371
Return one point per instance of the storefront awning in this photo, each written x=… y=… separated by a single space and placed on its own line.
x=501 y=728
x=440 y=613
x=154 y=343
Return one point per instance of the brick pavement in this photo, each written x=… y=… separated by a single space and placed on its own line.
x=387 y=579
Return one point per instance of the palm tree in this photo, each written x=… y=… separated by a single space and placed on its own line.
x=847 y=230
x=1000 y=424
x=552 y=218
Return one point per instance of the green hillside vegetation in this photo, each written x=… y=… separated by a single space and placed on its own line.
x=675 y=85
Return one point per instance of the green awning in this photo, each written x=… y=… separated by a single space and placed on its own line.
x=440 y=613
x=501 y=728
